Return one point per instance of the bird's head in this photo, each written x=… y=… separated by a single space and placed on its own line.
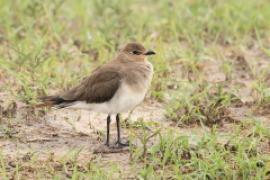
x=136 y=52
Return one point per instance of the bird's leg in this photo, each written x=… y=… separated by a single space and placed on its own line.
x=118 y=142
x=108 y=131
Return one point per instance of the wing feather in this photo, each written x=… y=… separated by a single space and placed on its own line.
x=97 y=88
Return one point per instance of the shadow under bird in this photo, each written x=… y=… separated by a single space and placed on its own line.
x=113 y=88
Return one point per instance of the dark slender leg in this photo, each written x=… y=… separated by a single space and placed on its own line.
x=108 y=130
x=118 y=132
x=118 y=128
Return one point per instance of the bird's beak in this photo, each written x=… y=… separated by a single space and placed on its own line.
x=149 y=52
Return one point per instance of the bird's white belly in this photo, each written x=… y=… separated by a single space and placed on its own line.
x=124 y=100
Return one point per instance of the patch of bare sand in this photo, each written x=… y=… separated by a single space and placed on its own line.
x=88 y=122
x=61 y=131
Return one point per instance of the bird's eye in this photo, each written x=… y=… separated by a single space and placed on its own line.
x=136 y=52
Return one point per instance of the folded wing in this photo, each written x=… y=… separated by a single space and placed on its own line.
x=97 y=88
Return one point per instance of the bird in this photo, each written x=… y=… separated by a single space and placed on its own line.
x=113 y=88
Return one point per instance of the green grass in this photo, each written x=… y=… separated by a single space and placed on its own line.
x=42 y=41
x=46 y=46
x=200 y=103
x=174 y=157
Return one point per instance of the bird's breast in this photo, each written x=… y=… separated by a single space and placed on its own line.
x=125 y=99
x=139 y=77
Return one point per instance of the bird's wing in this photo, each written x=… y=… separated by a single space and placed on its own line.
x=97 y=88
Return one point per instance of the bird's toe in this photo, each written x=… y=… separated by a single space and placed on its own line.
x=121 y=144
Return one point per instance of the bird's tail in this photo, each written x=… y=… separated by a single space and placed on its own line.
x=55 y=101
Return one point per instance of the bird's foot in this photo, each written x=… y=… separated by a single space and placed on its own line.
x=109 y=149
x=120 y=144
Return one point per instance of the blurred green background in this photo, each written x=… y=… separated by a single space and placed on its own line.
x=53 y=43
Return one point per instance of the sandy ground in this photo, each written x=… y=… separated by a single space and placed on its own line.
x=59 y=132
